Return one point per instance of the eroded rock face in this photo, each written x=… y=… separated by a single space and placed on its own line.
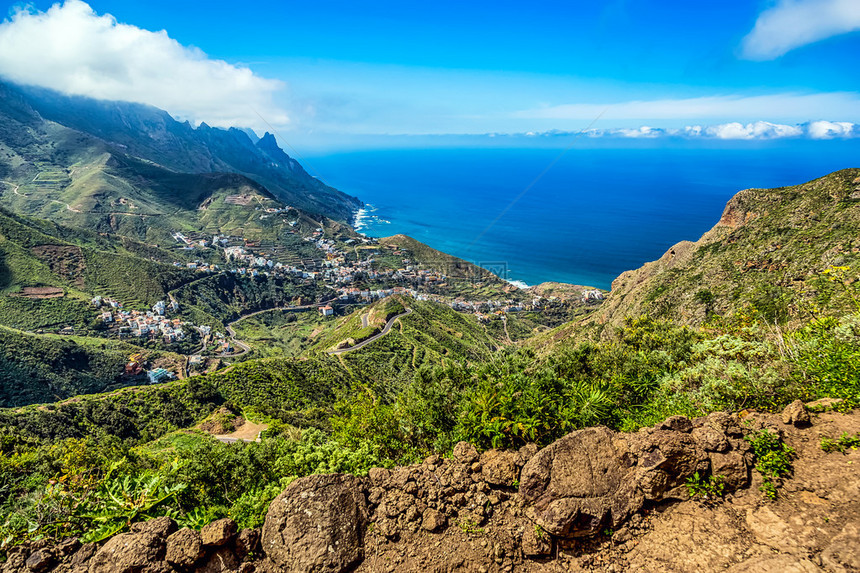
x=317 y=524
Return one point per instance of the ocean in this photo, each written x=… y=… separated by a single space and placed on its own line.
x=580 y=217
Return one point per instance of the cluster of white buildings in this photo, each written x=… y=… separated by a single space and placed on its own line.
x=592 y=296
x=143 y=324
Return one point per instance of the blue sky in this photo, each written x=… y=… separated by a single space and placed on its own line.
x=322 y=72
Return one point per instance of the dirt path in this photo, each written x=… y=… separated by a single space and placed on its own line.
x=14 y=187
x=364 y=343
x=247 y=432
x=69 y=207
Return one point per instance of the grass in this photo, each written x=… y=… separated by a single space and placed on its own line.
x=280 y=333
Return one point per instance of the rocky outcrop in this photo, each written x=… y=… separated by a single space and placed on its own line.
x=317 y=524
x=595 y=500
x=596 y=478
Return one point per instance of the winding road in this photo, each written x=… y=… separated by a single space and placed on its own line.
x=245 y=348
x=364 y=343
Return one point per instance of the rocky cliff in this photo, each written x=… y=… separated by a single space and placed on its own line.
x=767 y=249
x=595 y=500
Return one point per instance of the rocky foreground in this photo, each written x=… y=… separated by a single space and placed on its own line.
x=595 y=500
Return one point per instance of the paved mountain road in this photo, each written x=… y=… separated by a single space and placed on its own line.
x=364 y=343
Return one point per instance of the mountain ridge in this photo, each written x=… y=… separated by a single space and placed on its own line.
x=152 y=134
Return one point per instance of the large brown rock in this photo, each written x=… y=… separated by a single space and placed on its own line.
x=580 y=482
x=464 y=453
x=40 y=560
x=219 y=532
x=317 y=524
x=733 y=467
x=129 y=553
x=184 y=548
x=160 y=526
x=796 y=414
x=500 y=467
x=665 y=459
x=596 y=478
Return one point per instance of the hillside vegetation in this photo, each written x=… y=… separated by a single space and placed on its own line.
x=662 y=346
x=769 y=249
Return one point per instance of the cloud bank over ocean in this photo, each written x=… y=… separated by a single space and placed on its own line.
x=759 y=130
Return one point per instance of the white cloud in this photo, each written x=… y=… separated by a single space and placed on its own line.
x=832 y=129
x=789 y=106
x=757 y=130
x=791 y=24
x=72 y=49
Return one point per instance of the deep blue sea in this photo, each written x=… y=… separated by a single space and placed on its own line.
x=593 y=214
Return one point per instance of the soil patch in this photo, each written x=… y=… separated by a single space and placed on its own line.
x=40 y=292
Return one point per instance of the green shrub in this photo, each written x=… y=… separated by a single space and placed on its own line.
x=773 y=459
x=708 y=489
x=841 y=444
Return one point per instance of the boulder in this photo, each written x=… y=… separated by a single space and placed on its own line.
x=129 y=553
x=725 y=423
x=247 y=542
x=184 y=548
x=595 y=478
x=527 y=452
x=733 y=467
x=710 y=439
x=67 y=547
x=665 y=459
x=84 y=554
x=317 y=524
x=40 y=560
x=500 y=467
x=433 y=520
x=378 y=476
x=464 y=453
x=160 y=526
x=222 y=560
x=536 y=542
x=218 y=533
x=676 y=423
x=796 y=414
x=581 y=482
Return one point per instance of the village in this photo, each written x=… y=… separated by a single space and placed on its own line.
x=343 y=281
x=353 y=280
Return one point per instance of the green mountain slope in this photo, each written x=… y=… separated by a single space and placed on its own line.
x=768 y=249
x=432 y=335
x=46 y=368
x=81 y=263
x=151 y=134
